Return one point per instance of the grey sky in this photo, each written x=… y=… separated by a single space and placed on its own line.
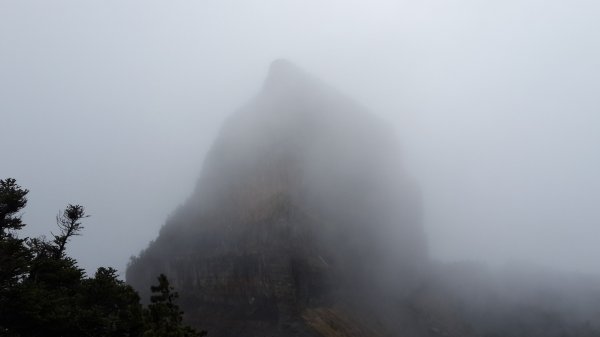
x=113 y=105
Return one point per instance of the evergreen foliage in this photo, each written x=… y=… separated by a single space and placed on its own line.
x=44 y=293
x=163 y=315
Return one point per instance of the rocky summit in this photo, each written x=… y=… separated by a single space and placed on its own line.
x=303 y=222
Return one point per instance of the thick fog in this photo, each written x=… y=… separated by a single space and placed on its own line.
x=114 y=105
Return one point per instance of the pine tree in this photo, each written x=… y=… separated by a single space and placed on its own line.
x=14 y=254
x=163 y=316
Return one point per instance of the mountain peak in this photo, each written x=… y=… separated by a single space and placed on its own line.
x=282 y=65
x=284 y=75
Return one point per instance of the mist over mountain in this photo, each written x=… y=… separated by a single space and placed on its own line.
x=304 y=222
x=302 y=199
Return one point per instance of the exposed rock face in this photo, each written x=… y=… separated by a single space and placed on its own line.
x=303 y=222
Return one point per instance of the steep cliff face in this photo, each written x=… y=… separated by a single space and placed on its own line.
x=303 y=222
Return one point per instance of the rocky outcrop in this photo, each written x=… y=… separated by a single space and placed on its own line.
x=303 y=222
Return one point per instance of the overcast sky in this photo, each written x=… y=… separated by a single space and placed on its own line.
x=114 y=104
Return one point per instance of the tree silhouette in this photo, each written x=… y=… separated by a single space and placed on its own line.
x=44 y=293
x=69 y=225
x=163 y=315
